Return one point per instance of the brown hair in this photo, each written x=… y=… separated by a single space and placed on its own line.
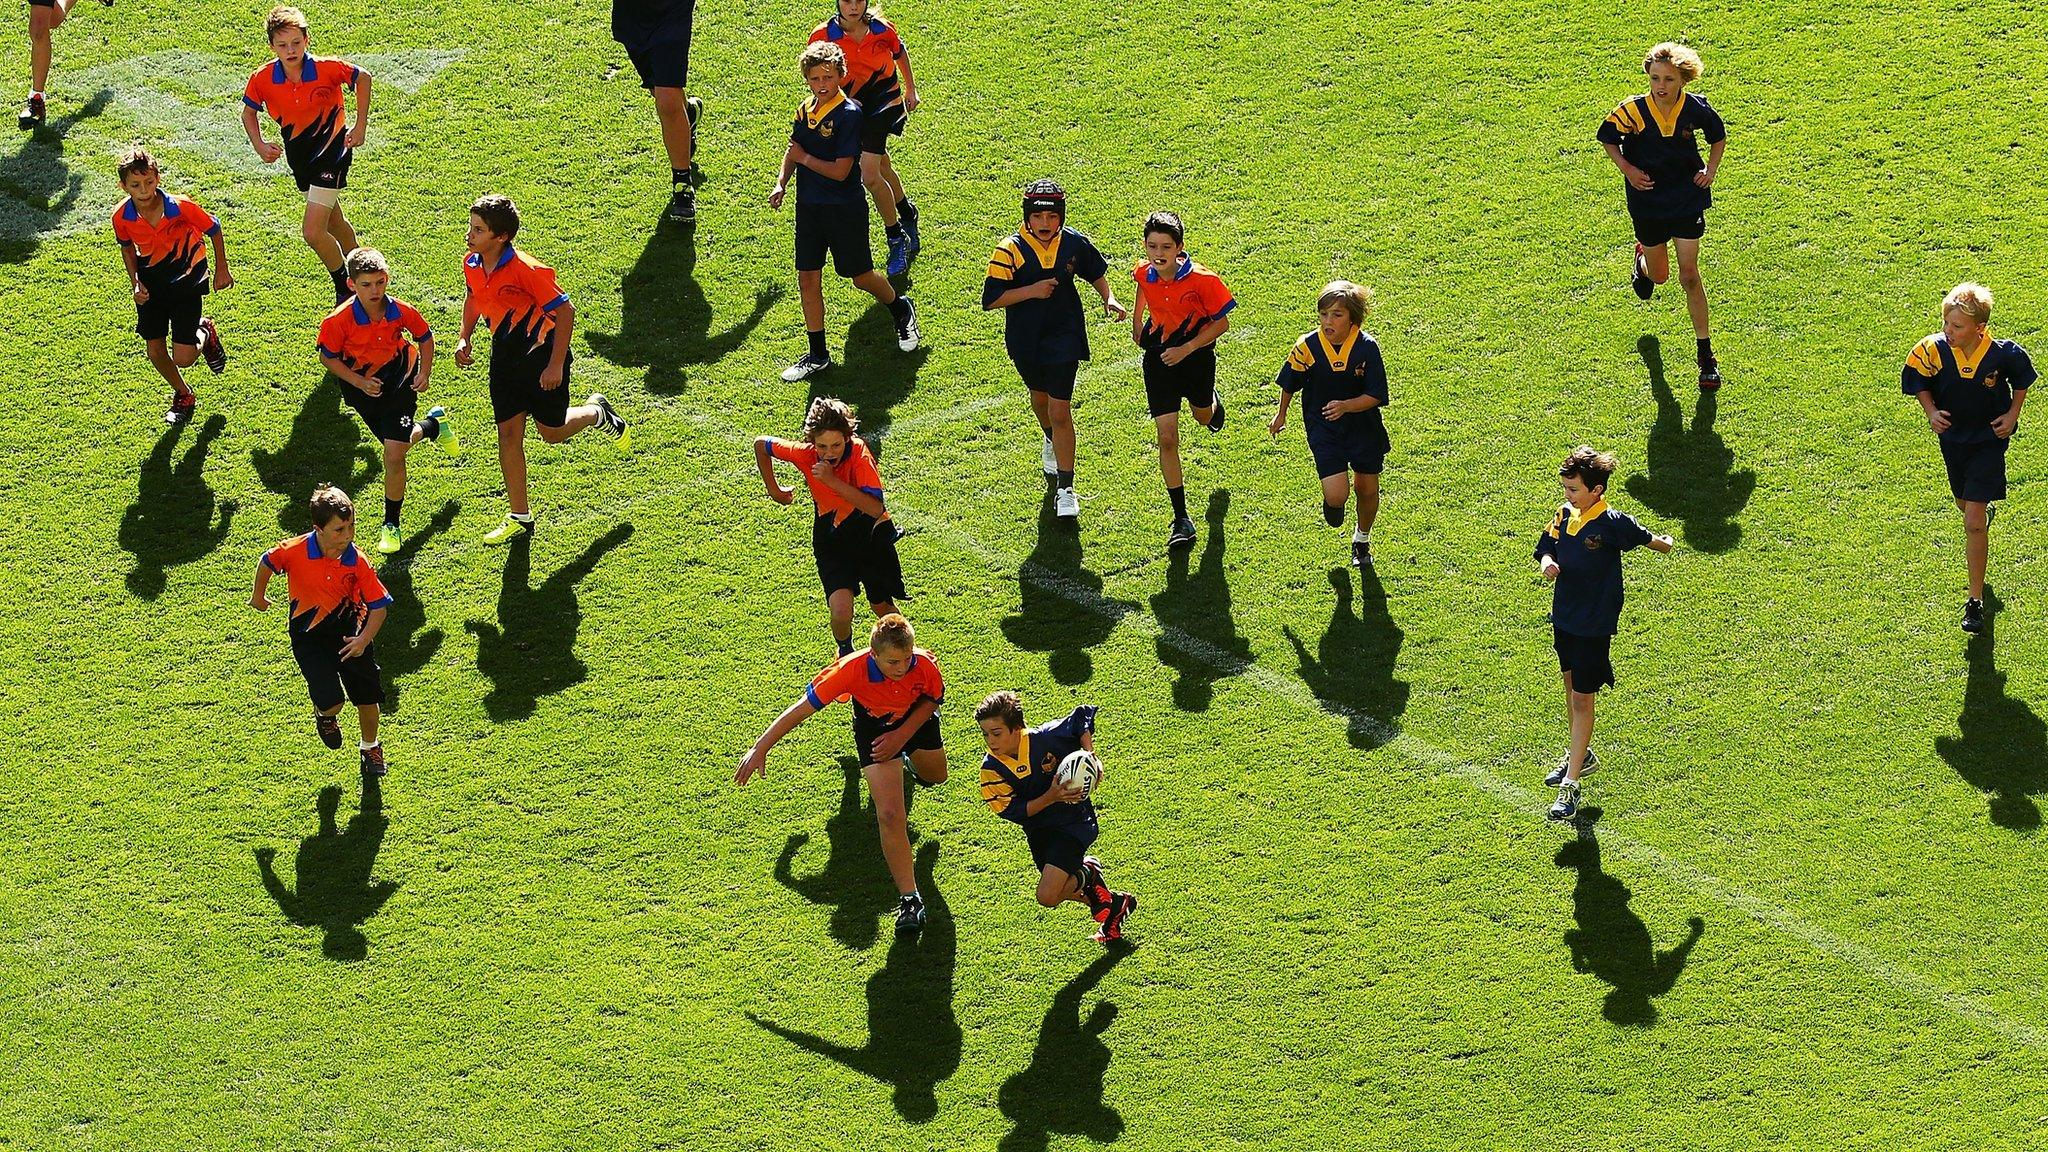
x=330 y=504
x=892 y=632
x=1002 y=706
x=1593 y=469
x=1167 y=224
x=135 y=161
x=1357 y=299
x=830 y=414
x=282 y=17
x=820 y=53
x=498 y=213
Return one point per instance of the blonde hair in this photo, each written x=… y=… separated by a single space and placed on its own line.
x=1356 y=298
x=362 y=260
x=282 y=17
x=1971 y=299
x=892 y=632
x=1679 y=56
x=821 y=53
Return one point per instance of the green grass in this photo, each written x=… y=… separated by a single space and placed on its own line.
x=569 y=930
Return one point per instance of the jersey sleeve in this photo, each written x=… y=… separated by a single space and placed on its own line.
x=331 y=335
x=1712 y=130
x=540 y=280
x=933 y=683
x=1922 y=363
x=1088 y=262
x=121 y=235
x=1002 y=270
x=820 y=32
x=1375 y=366
x=835 y=682
x=1546 y=541
x=1294 y=373
x=368 y=586
x=1624 y=121
x=414 y=323
x=862 y=473
x=1630 y=531
x=202 y=220
x=1079 y=722
x=2020 y=375
x=999 y=792
x=1216 y=298
x=801 y=455
x=341 y=72
x=847 y=142
x=279 y=558
x=256 y=89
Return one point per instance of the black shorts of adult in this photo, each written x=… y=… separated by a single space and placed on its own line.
x=1054 y=380
x=328 y=676
x=1336 y=452
x=1585 y=657
x=170 y=314
x=327 y=168
x=1192 y=380
x=515 y=386
x=1655 y=233
x=657 y=39
x=868 y=728
x=390 y=414
x=1976 y=470
x=876 y=129
x=842 y=230
x=859 y=554
x=1060 y=846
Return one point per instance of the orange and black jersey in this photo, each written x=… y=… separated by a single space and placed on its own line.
x=1322 y=373
x=1053 y=330
x=369 y=344
x=170 y=255
x=1007 y=786
x=516 y=299
x=1664 y=146
x=871 y=70
x=308 y=105
x=1176 y=308
x=1974 y=390
x=326 y=591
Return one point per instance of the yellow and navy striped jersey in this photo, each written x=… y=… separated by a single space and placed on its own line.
x=1586 y=599
x=1974 y=390
x=1007 y=786
x=1053 y=330
x=1662 y=144
x=1322 y=373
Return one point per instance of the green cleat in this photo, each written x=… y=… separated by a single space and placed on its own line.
x=390 y=539
x=445 y=439
x=508 y=529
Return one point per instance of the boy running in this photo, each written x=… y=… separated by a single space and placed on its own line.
x=163 y=242
x=1580 y=552
x=853 y=540
x=831 y=209
x=896 y=690
x=43 y=18
x=304 y=95
x=363 y=343
x=530 y=320
x=1183 y=308
x=1059 y=823
x=337 y=606
x=1972 y=388
x=1031 y=278
x=1650 y=139
x=656 y=36
x=1339 y=367
x=875 y=56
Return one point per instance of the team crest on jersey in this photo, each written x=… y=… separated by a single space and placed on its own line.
x=1991 y=379
x=826 y=128
x=1594 y=544
x=1336 y=365
x=1046 y=763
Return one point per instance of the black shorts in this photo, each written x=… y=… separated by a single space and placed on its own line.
x=328 y=676
x=663 y=63
x=515 y=386
x=1976 y=471
x=657 y=39
x=389 y=415
x=1061 y=846
x=1337 y=452
x=860 y=553
x=1585 y=657
x=327 y=168
x=876 y=129
x=1055 y=380
x=1656 y=232
x=172 y=314
x=1192 y=380
x=867 y=729
x=842 y=230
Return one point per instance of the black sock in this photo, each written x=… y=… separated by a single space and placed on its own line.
x=1179 y=496
x=1066 y=477
x=430 y=427
x=900 y=308
x=845 y=646
x=679 y=176
x=1334 y=513
x=341 y=288
x=391 y=509
x=1706 y=351
x=894 y=231
x=906 y=210
x=1047 y=430
x=818 y=345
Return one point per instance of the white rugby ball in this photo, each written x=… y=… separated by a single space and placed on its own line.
x=1080 y=767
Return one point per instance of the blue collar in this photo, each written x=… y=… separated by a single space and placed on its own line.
x=875 y=670
x=476 y=260
x=128 y=211
x=309 y=71
x=348 y=554
x=362 y=314
x=835 y=29
x=1186 y=265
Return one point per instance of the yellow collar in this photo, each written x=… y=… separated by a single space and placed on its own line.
x=1579 y=519
x=815 y=114
x=1022 y=764
x=1338 y=357
x=1968 y=365
x=1668 y=125
x=1047 y=253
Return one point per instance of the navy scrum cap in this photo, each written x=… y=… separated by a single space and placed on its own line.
x=1045 y=196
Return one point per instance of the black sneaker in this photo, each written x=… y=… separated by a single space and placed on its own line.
x=1641 y=281
x=1182 y=534
x=1216 y=421
x=32 y=113
x=1361 y=553
x=1121 y=905
x=181 y=408
x=1586 y=768
x=1710 y=375
x=909 y=221
x=211 y=348
x=1094 y=890
x=328 y=728
x=609 y=419
x=910 y=915
x=809 y=364
x=682 y=204
x=373 y=763
x=1973 y=615
x=907 y=334
x=694 y=109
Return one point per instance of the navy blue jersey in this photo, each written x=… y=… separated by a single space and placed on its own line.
x=1586 y=600
x=828 y=132
x=1664 y=146
x=1053 y=330
x=1973 y=390
x=1322 y=374
x=1008 y=785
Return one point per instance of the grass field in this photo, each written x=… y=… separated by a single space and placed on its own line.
x=1808 y=915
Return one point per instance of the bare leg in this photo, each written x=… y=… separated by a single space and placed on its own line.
x=1368 y=489
x=1169 y=448
x=1582 y=728
x=1062 y=413
x=161 y=359
x=394 y=468
x=344 y=233
x=314 y=230
x=840 y=605
x=672 y=108
x=366 y=720
x=810 y=289
x=1055 y=888
x=874 y=284
x=878 y=186
x=41 y=22
x=1695 y=288
x=885 y=787
x=1976 y=542
x=580 y=417
x=512 y=462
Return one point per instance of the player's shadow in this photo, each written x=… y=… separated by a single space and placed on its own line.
x=849 y=882
x=2002 y=748
x=323 y=447
x=172 y=521
x=38 y=190
x=874 y=375
x=665 y=319
x=1060 y=1091
x=1062 y=611
x=914 y=1038
x=333 y=890
x=530 y=651
x=1690 y=474
x=1198 y=634
x=1612 y=942
x=1352 y=671
x=402 y=648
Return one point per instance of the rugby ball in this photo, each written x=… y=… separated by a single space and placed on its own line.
x=1080 y=767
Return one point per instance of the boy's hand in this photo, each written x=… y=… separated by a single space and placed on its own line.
x=1174 y=355
x=259 y=602
x=1116 y=311
x=1637 y=178
x=1550 y=568
x=355 y=137
x=551 y=378
x=911 y=100
x=781 y=495
x=2005 y=424
x=798 y=153
x=775 y=196
x=268 y=152
x=355 y=647
x=822 y=472
x=1704 y=178
x=1041 y=290
x=1279 y=422
x=462 y=354
x=141 y=294
x=1938 y=420
x=371 y=386
x=419 y=386
x=1070 y=793
x=1336 y=408
x=754 y=763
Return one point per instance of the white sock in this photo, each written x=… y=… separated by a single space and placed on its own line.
x=1358 y=537
x=522 y=517
x=366 y=745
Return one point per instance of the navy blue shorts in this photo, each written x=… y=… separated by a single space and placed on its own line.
x=840 y=229
x=1585 y=657
x=867 y=728
x=1055 y=380
x=1976 y=471
x=665 y=64
x=1337 y=453
x=1655 y=233
x=657 y=38
x=1061 y=846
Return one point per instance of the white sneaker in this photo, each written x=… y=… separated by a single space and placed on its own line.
x=1046 y=459
x=1067 y=504
x=907 y=334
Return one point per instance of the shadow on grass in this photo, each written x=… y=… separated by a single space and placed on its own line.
x=1690 y=475
x=1611 y=941
x=1060 y=1091
x=333 y=890
x=323 y=447
x=914 y=1038
x=172 y=520
x=530 y=651
x=2002 y=748
x=853 y=881
x=874 y=375
x=402 y=648
x=664 y=318
x=1197 y=606
x=1062 y=610
x=38 y=190
x=1352 y=672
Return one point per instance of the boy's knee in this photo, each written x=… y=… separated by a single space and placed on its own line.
x=930 y=772
x=1689 y=279
x=890 y=816
x=1048 y=898
x=1333 y=514
x=1061 y=413
x=313 y=232
x=669 y=103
